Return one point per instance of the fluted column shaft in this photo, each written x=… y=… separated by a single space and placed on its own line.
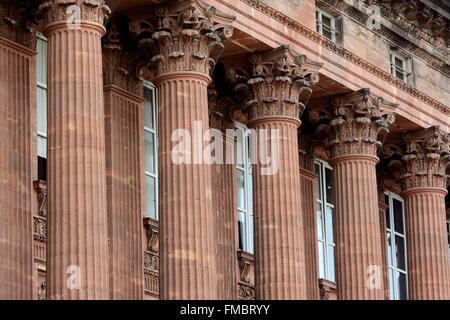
x=428 y=261
x=358 y=127
x=17 y=118
x=188 y=257
x=279 y=243
x=308 y=198
x=77 y=241
x=358 y=241
x=124 y=125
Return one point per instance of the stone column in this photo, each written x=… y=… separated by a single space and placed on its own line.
x=276 y=90
x=17 y=152
x=184 y=49
x=77 y=223
x=124 y=134
x=223 y=182
x=308 y=181
x=425 y=161
x=360 y=121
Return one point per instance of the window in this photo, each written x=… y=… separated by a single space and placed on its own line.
x=151 y=154
x=396 y=247
x=325 y=218
x=41 y=81
x=448 y=234
x=244 y=181
x=326 y=25
x=399 y=66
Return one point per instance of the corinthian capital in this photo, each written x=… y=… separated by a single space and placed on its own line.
x=359 y=123
x=73 y=12
x=278 y=82
x=16 y=21
x=425 y=159
x=120 y=68
x=188 y=36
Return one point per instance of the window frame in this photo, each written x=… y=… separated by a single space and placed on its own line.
x=404 y=70
x=246 y=168
x=391 y=228
x=319 y=24
x=43 y=86
x=324 y=203
x=154 y=132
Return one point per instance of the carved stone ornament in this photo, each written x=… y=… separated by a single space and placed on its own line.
x=187 y=36
x=17 y=20
x=424 y=158
x=120 y=68
x=73 y=12
x=220 y=109
x=278 y=82
x=359 y=123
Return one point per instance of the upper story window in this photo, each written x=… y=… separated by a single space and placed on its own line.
x=244 y=181
x=325 y=218
x=326 y=25
x=399 y=66
x=396 y=247
x=41 y=81
x=151 y=153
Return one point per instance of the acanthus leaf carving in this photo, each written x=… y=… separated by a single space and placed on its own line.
x=278 y=82
x=187 y=37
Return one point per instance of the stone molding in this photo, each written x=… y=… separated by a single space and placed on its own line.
x=72 y=12
x=337 y=49
x=187 y=36
x=220 y=109
x=246 y=285
x=277 y=82
x=422 y=157
x=358 y=123
x=436 y=61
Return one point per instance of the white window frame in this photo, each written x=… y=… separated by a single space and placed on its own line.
x=326 y=269
x=391 y=228
x=404 y=70
x=319 y=24
x=154 y=132
x=41 y=135
x=245 y=215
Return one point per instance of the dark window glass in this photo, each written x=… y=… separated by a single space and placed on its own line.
x=400 y=252
x=402 y=287
x=42 y=169
x=329 y=185
x=398 y=216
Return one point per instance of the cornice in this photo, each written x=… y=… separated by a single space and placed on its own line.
x=438 y=63
x=337 y=49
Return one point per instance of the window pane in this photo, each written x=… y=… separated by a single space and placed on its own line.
x=398 y=216
x=320 y=233
x=42 y=147
x=327 y=34
x=329 y=224
x=389 y=249
x=150 y=152
x=240 y=151
x=398 y=63
x=400 y=252
x=391 y=285
x=329 y=185
x=399 y=74
x=240 y=189
x=150 y=197
x=321 y=251
x=330 y=256
x=242 y=231
x=401 y=286
x=388 y=216
x=250 y=234
x=326 y=21
x=149 y=109
x=250 y=193
x=41 y=49
x=318 y=182
x=42 y=111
